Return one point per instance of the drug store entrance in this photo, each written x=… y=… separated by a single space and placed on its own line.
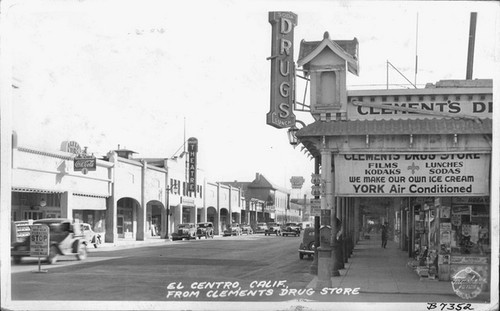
x=441 y=217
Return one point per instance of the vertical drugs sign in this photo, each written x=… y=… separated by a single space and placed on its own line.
x=282 y=70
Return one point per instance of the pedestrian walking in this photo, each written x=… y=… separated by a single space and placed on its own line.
x=385 y=234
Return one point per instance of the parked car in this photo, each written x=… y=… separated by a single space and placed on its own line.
x=205 y=229
x=246 y=229
x=184 y=231
x=307 y=246
x=90 y=237
x=305 y=224
x=290 y=228
x=261 y=227
x=273 y=228
x=233 y=229
x=65 y=238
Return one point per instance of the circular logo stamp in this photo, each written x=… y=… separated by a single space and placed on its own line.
x=467 y=283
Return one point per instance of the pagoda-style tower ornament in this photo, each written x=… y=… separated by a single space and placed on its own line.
x=327 y=63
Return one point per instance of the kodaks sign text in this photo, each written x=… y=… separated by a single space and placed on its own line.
x=412 y=174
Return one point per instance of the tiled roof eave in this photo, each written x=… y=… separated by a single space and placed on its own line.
x=397 y=127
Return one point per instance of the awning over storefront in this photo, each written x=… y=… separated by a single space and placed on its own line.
x=32 y=190
x=398 y=127
x=88 y=202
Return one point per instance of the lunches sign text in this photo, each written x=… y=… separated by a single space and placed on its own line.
x=412 y=174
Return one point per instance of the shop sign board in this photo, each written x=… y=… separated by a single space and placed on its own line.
x=297 y=182
x=412 y=174
x=474 y=105
x=282 y=70
x=84 y=163
x=39 y=240
x=315 y=207
x=192 y=152
x=469 y=260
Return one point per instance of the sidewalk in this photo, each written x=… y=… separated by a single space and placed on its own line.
x=380 y=270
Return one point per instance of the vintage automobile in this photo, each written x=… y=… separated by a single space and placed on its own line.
x=290 y=228
x=246 y=229
x=261 y=227
x=89 y=236
x=65 y=238
x=273 y=228
x=205 y=229
x=307 y=246
x=184 y=231
x=233 y=229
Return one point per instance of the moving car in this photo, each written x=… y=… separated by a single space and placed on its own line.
x=290 y=228
x=65 y=238
x=246 y=229
x=89 y=236
x=273 y=228
x=233 y=229
x=184 y=231
x=261 y=227
x=205 y=229
x=307 y=246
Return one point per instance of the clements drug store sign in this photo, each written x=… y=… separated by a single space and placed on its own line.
x=412 y=174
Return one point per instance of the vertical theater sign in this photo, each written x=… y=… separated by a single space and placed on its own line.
x=429 y=149
x=192 y=152
x=282 y=70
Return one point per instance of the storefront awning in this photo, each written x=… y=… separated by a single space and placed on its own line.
x=397 y=127
x=87 y=202
x=33 y=190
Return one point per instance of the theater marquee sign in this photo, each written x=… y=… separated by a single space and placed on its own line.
x=412 y=174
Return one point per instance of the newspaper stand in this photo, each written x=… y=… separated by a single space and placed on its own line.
x=39 y=243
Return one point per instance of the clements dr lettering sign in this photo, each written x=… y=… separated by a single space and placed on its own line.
x=412 y=174
x=384 y=107
x=282 y=70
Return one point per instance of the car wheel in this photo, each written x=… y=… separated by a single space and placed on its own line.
x=82 y=252
x=17 y=260
x=311 y=246
x=52 y=258
x=301 y=256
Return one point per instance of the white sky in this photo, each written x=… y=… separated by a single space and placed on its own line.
x=104 y=73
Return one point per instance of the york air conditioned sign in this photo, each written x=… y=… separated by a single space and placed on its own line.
x=412 y=174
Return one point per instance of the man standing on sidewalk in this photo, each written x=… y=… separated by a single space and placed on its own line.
x=384 y=234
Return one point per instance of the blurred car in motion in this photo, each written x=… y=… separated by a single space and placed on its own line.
x=90 y=237
x=65 y=238
x=261 y=227
x=205 y=229
x=233 y=229
x=308 y=245
x=184 y=231
x=290 y=228
x=246 y=229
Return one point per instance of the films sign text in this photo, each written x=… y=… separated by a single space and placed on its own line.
x=412 y=174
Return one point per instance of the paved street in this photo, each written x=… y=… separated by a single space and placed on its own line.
x=244 y=268
x=145 y=273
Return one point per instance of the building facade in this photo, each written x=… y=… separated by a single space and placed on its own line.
x=429 y=150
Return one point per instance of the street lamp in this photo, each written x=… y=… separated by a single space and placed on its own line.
x=292 y=133
x=168 y=189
